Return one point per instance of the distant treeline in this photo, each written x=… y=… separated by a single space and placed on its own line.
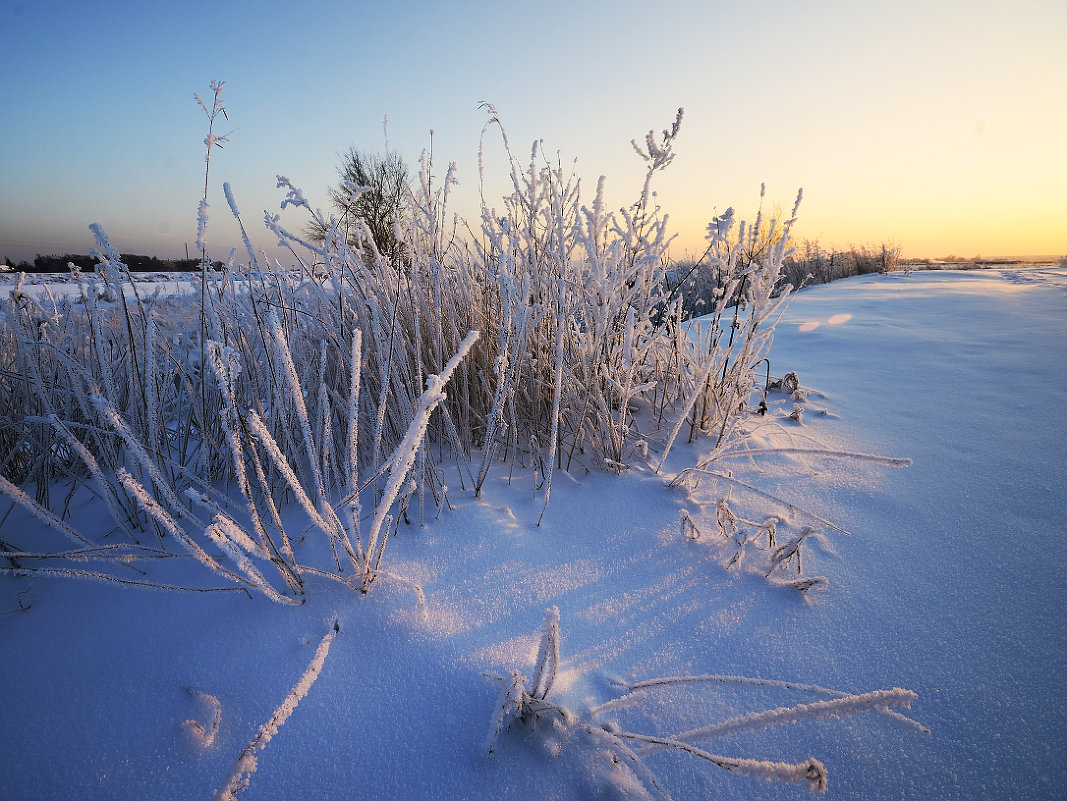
x=810 y=263
x=136 y=263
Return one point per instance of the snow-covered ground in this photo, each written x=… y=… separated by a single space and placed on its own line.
x=951 y=584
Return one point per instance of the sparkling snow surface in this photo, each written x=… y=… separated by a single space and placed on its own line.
x=953 y=583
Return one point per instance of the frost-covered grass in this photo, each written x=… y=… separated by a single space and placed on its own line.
x=194 y=419
x=525 y=701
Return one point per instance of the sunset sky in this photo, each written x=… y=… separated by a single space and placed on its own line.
x=939 y=126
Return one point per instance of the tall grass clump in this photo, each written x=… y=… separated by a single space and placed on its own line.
x=336 y=397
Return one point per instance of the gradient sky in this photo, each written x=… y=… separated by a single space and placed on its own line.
x=938 y=125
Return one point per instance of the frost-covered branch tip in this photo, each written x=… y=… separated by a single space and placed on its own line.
x=659 y=155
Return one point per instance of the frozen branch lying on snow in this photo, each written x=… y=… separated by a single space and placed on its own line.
x=819 y=710
x=811 y=771
x=246 y=763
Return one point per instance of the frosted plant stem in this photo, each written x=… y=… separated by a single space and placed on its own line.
x=323 y=424
x=495 y=413
x=352 y=454
x=109 y=553
x=285 y=357
x=845 y=706
x=676 y=481
x=557 y=391
x=811 y=772
x=159 y=514
x=547 y=655
x=508 y=707
x=103 y=360
x=151 y=388
x=891 y=461
x=634 y=691
x=286 y=556
x=404 y=456
x=71 y=573
x=259 y=430
x=637 y=765
x=386 y=373
x=246 y=764
x=95 y=472
x=225 y=374
x=684 y=411
x=228 y=536
x=38 y=511
x=160 y=483
x=352 y=451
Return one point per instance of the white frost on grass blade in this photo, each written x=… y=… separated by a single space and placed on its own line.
x=547 y=655
x=627 y=700
x=509 y=706
x=107 y=577
x=889 y=461
x=229 y=537
x=38 y=511
x=246 y=763
x=516 y=702
x=404 y=455
x=811 y=771
x=819 y=710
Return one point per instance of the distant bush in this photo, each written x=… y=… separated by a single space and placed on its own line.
x=810 y=263
x=372 y=191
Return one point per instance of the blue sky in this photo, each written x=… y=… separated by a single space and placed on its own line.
x=941 y=126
